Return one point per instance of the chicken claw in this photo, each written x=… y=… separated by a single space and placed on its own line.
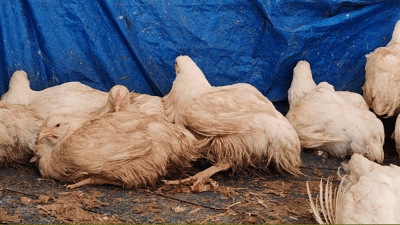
x=201 y=179
x=91 y=180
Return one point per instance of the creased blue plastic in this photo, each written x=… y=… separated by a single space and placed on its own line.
x=134 y=43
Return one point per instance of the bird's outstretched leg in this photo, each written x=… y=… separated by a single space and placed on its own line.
x=93 y=180
x=201 y=178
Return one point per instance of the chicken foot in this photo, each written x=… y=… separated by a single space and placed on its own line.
x=92 y=180
x=201 y=178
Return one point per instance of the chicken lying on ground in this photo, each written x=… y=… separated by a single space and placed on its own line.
x=19 y=129
x=120 y=99
x=72 y=97
x=124 y=148
x=368 y=194
x=382 y=77
x=324 y=120
x=236 y=125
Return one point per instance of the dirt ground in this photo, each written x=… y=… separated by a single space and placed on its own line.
x=247 y=197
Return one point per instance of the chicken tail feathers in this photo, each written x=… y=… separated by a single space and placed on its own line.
x=326 y=203
x=277 y=144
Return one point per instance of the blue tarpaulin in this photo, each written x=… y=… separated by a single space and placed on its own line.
x=134 y=43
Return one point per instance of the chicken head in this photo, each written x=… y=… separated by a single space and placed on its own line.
x=302 y=82
x=19 y=89
x=54 y=127
x=119 y=96
x=185 y=65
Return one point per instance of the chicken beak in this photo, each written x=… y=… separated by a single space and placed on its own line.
x=46 y=132
x=116 y=107
x=118 y=101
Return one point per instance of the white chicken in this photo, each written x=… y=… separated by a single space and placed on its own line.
x=324 y=120
x=72 y=97
x=124 y=148
x=303 y=83
x=369 y=194
x=236 y=124
x=382 y=77
x=19 y=129
x=120 y=99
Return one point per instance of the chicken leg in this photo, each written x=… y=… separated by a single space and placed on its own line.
x=201 y=178
x=93 y=180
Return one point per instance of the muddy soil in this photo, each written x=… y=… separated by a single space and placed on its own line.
x=247 y=197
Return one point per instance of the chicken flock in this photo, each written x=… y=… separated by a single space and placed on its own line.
x=83 y=136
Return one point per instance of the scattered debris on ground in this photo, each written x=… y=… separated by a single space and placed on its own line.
x=247 y=197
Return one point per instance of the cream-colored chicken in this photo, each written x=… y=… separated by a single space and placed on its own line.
x=71 y=97
x=19 y=91
x=236 y=124
x=124 y=148
x=303 y=83
x=120 y=99
x=19 y=129
x=368 y=194
x=325 y=121
x=382 y=77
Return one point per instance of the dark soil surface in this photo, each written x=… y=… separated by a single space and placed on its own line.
x=247 y=197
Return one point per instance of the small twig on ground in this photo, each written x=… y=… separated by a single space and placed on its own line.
x=320 y=168
x=230 y=206
x=19 y=192
x=192 y=203
x=291 y=217
x=213 y=217
x=43 y=208
x=98 y=218
x=262 y=203
x=98 y=213
x=194 y=211
x=251 y=193
x=238 y=188
x=44 y=179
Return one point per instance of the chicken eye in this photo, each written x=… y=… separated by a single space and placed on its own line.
x=58 y=125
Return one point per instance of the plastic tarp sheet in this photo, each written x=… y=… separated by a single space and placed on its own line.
x=134 y=43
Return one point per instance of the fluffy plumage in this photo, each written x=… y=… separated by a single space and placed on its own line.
x=369 y=194
x=19 y=129
x=324 y=120
x=19 y=91
x=303 y=83
x=72 y=97
x=382 y=77
x=236 y=124
x=124 y=148
x=120 y=99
